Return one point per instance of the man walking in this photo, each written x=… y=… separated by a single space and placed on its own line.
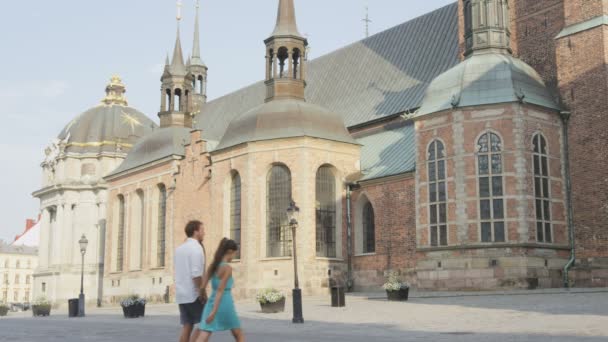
x=189 y=271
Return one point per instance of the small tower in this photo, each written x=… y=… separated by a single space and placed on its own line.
x=198 y=69
x=487 y=26
x=177 y=87
x=285 y=57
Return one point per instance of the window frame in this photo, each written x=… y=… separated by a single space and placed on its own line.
x=236 y=216
x=368 y=225
x=541 y=171
x=493 y=199
x=120 y=233
x=162 y=226
x=326 y=210
x=278 y=234
x=440 y=228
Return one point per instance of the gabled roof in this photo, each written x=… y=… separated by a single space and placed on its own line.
x=389 y=152
x=382 y=75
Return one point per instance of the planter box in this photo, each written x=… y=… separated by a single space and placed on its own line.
x=3 y=311
x=41 y=310
x=273 y=307
x=399 y=295
x=134 y=311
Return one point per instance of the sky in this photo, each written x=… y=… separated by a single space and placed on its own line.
x=56 y=58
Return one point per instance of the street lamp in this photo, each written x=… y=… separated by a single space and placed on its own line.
x=292 y=213
x=83 y=249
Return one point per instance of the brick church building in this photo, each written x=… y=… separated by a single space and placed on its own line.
x=462 y=149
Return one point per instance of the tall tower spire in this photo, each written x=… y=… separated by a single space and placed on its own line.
x=487 y=26
x=285 y=57
x=197 y=68
x=177 y=64
x=177 y=87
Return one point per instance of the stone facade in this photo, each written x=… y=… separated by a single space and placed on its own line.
x=146 y=266
x=17 y=265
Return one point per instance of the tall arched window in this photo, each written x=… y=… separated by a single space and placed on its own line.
x=542 y=186
x=18 y=264
x=491 y=204
x=139 y=239
x=120 y=241
x=326 y=212
x=162 y=225
x=437 y=194
x=27 y=279
x=278 y=200
x=235 y=210
x=369 y=229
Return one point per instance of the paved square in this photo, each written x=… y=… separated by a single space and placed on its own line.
x=556 y=316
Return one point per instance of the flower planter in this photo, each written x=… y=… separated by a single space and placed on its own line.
x=399 y=295
x=3 y=311
x=41 y=310
x=273 y=307
x=134 y=311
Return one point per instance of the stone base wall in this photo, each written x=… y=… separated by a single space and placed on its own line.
x=590 y=273
x=491 y=270
x=151 y=286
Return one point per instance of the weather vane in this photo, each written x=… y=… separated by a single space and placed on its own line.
x=179 y=10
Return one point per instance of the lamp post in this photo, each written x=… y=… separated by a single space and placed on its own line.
x=292 y=213
x=83 y=249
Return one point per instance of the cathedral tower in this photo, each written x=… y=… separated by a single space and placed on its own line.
x=198 y=69
x=285 y=55
x=177 y=87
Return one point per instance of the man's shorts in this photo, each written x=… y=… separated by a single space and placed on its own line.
x=190 y=314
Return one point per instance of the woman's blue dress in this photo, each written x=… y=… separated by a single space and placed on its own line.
x=225 y=318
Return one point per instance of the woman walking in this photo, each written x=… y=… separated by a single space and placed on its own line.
x=219 y=313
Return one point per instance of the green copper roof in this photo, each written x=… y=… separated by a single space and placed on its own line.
x=483 y=79
x=388 y=152
x=586 y=25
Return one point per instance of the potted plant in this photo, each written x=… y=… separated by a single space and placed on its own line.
x=41 y=307
x=3 y=309
x=271 y=300
x=396 y=290
x=133 y=307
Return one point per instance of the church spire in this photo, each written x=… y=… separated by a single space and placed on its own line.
x=285 y=57
x=286 y=20
x=196 y=48
x=177 y=87
x=197 y=68
x=177 y=64
x=487 y=26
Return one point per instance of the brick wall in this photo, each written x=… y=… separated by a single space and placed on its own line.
x=394 y=206
x=583 y=85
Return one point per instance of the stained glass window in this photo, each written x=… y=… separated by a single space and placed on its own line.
x=120 y=241
x=235 y=211
x=369 y=229
x=162 y=225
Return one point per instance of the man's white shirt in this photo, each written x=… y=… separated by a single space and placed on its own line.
x=189 y=264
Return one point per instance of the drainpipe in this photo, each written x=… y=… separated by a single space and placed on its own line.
x=349 y=239
x=566 y=118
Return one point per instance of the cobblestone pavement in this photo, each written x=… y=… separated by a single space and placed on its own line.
x=557 y=316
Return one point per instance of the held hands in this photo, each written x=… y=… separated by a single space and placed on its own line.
x=202 y=295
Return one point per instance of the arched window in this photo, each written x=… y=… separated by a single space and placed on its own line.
x=6 y=264
x=120 y=241
x=177 y=100
x=138 y=240
x=235 y=210
x=162 y=225
x=296 y=63
x=542 y=186
x=27 y=280
x=168 y=104
x=278 y=200
x=369 y=229
x=326 y=212
x=491 y=204
x=17 y=279
x=282 y=56
x=18 y=264
x=437 y=194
